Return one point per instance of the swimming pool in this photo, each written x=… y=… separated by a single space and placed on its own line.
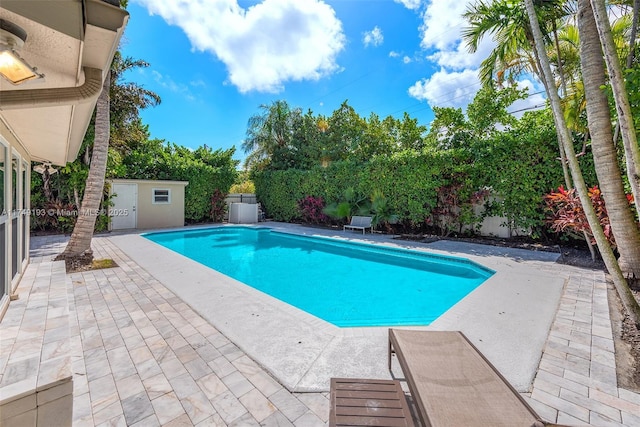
x=345 y=283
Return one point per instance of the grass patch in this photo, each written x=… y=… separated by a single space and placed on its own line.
x=78 y=264
x=98 y=264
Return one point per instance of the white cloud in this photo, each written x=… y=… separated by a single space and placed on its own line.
x=405 y=58
x=442 y=22
x=447 y=89
x=373 y=37
x=263 y=46
x=535 y=101
x=456 y=83
x=441 y=33
x=198 y=83
x=168 y=83
x=459 y=57
x=409 y=4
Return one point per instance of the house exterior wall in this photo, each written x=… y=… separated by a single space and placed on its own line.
x=150 y=213
x=15 y=190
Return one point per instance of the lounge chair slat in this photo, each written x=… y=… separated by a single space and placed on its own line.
x=375 y=386
x=366 y=394
x=369 y=411
x=383 y=403
x=372 y=421
x=345 y=382
x=363 y=421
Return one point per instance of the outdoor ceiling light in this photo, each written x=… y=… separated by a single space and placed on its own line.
x=12 y=67
x=45 y=167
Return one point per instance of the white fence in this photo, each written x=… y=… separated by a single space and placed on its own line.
x=495 y=226
x=238 y=198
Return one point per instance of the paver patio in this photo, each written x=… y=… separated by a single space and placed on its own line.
x=141 y=356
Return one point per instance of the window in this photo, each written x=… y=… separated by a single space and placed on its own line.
x=3 y=162
x=14 y=182
x=25 y=185
x=161 y=196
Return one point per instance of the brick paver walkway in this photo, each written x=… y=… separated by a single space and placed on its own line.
x=142 y=357
x=576 y=380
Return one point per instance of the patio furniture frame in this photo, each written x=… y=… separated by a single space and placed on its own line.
x=359 y=223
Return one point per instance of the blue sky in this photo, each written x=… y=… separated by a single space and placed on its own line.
x=214 y=62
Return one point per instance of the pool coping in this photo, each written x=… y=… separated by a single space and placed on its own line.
x=472 y=274
x=508 y=317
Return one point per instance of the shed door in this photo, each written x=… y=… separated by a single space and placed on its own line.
x=123 y=213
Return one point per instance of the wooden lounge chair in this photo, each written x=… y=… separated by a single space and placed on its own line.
x=453 y=384
x=361 y=402
x=359 y=223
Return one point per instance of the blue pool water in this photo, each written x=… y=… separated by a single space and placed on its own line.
x=345 y=283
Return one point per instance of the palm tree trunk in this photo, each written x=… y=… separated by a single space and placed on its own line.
x=625 y=119
x=634 y=33
x=605 y=158
x=46 y=184
x=632 y=50
x=563 y=83
x=608 y=257
x=80 y=242
x=563 y=156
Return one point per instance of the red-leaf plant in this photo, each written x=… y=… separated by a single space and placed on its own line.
x=311 y=210
x=567 y=215
x=218 y=205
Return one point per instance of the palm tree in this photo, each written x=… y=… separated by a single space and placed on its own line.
x=118 y=107
x=508 y=25
x=625 y=118
x=573 y=101
x=515 y=52
x=608 y=257
x=605 y=157
x=79 y=247
x=267 y=132
x=126 y=101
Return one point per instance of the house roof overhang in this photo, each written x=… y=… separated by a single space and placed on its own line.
x=71 y=42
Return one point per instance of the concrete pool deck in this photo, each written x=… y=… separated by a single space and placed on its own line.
x=141 y=356
x=508 y=317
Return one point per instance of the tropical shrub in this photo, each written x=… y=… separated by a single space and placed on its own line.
x=449 y=214
x=218 y=205
x=311 y=210
x=351 y=203
x=382 y=212
x=245 y=187
x=520 y=166
x=54 y=215
x=566 y=214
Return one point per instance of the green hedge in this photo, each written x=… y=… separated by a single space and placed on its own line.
x=407 y=180
x=520 y=166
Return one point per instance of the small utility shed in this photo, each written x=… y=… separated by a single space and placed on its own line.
x=139 y=203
